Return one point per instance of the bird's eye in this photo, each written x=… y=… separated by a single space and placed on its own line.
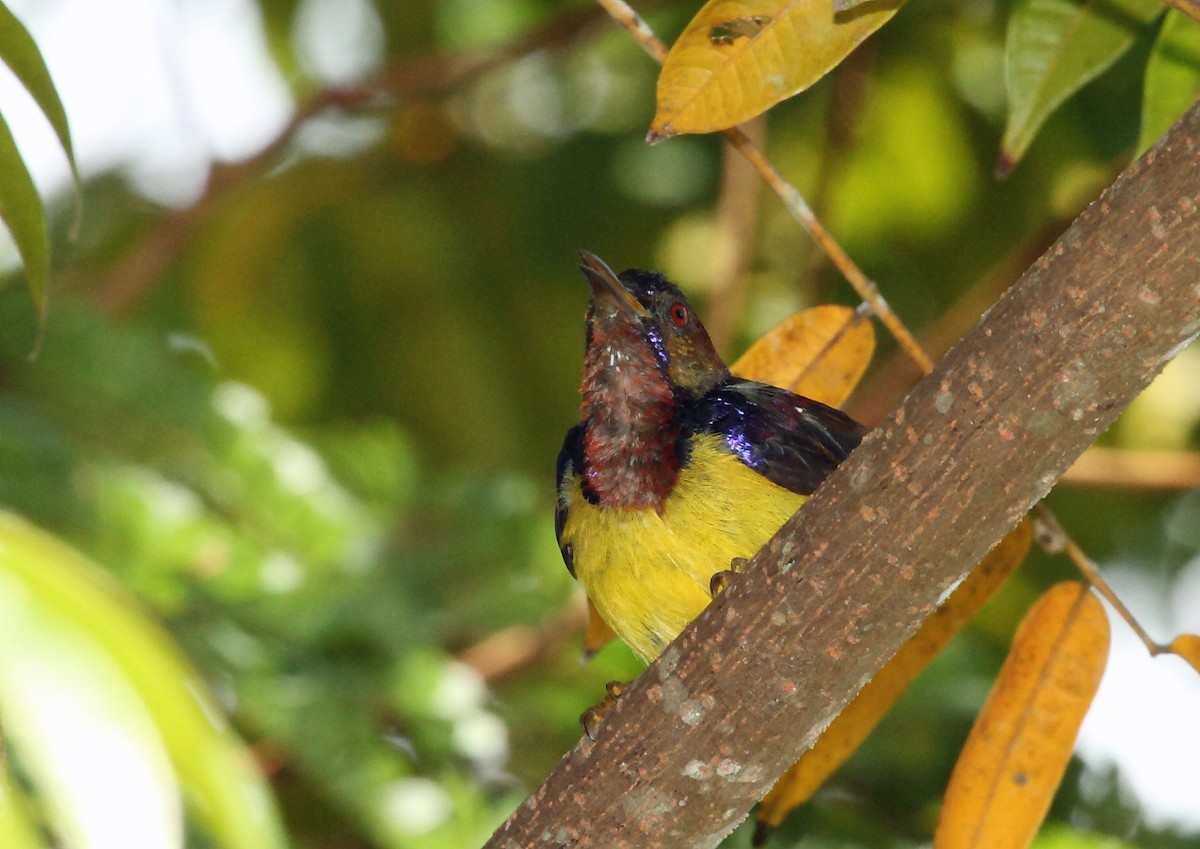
x=679 y=314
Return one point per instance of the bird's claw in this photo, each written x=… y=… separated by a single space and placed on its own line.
x=718 y=583
x=591 y=718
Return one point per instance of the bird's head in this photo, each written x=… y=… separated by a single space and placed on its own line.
x=642 y=318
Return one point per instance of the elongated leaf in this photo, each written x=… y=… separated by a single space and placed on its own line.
x=821 y=352
x=1054 y=48
x=19 y=51
x=738 y=58
x=843 y=737
x=21 y=210
x=1172 y=76
x=85 y=738
x=214 y=769
x=1021 y=743
x=20 y=206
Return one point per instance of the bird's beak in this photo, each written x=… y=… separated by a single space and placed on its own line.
x=607 y=288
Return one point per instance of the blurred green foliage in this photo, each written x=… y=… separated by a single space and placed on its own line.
x=310 y=422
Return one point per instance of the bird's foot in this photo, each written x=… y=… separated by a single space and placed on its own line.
x=720 y=580
x=593 y=716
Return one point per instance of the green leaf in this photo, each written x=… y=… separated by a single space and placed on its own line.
x=1172 y=77
x=213 y=767
x=21 y=209
x=20 y=206
x=19 y=51
x=1053 y=49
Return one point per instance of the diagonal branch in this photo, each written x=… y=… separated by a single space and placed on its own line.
x=700 y=737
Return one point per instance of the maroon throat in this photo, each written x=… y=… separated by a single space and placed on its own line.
x=630 y=442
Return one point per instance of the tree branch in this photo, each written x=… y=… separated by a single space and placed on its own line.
x=706 y=730
x=1131 y=468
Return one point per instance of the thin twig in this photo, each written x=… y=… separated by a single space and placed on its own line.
x=862 y=285
x=1133 y=469
x=511 y=650
x=792 y=200
x=637 y=27
x=1053 y=540
x=894 y=377
x=426 y=76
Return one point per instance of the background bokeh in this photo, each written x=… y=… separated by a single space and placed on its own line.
x=311 y=353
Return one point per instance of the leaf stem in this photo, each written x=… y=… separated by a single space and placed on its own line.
x=636 y=26
x=792 y=200
x=1054 y=540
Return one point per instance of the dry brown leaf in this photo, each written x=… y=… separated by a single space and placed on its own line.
x=1021 y=743
x=820 y=353
x=738 y=58
x=1187 y=646
x=860 y=717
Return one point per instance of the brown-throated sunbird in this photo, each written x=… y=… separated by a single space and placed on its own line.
x=676 y=467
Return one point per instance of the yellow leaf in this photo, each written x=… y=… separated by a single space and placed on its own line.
x=820 y=353
x=738 y=58
x=860 y=717
x=1021 y=743
x=1187 y=646
x=598 y=634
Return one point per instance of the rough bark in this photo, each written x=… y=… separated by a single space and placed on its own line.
x=701 y=736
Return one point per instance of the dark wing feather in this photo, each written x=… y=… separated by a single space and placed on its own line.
x=570 y=459
x=789 y=439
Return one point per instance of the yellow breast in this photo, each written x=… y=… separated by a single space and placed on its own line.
x=648 y=574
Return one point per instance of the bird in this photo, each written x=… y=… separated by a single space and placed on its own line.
x=677 y=469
